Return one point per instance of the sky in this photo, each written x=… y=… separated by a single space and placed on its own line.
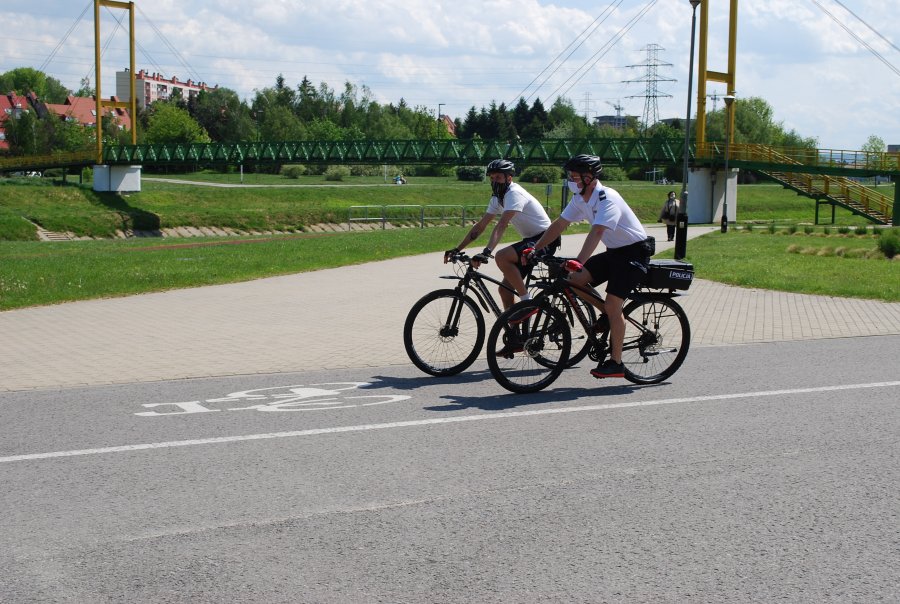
x=813 y=61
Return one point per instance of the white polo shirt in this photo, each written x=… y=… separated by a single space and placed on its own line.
x=530 y=219
x=607 y=208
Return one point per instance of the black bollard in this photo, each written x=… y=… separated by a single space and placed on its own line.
x=681 y=236
x=681 y=222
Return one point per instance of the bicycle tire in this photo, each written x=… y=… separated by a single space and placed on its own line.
x=581 y=341
x=542 y=334
x=437 y=344
x=656 y=349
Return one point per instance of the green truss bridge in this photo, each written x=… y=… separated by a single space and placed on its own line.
x=825 y=175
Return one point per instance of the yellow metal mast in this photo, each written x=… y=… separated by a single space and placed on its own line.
x=131 y=104
x=705 y=75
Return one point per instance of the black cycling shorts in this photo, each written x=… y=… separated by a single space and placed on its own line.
x=624 y=268
x=528 y=242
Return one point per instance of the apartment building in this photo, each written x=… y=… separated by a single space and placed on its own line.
x=152 y=87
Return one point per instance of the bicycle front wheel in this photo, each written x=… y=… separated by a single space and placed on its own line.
x=528 y=346
x=581 y=340
x=443 y=333
x=657 y=338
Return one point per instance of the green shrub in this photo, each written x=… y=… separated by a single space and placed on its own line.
x=293 y=171
x=748 y=227
x=541 y=174
x=844 y=230
x=87 y=174
x=337 y=173
x=889 y=242
x=792 y=229
x=771 y=228
x=808 y=229
x=861 y=230
x=429 y=170
x=473 y=173
x=366 y=170
x=613 y=173
x=827 y=230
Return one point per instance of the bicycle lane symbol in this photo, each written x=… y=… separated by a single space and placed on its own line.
x=311 y=397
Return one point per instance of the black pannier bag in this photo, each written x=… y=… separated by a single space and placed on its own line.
x=669 y=274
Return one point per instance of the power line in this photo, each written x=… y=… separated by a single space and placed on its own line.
x=861 y=20
x=877 y=54
x=191 y=71
x=583 y=36
x=65 y=37
x=583 y=70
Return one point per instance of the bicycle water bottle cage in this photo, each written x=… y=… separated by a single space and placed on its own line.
x=573 y=266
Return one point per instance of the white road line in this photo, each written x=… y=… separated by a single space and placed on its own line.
x=439 y=420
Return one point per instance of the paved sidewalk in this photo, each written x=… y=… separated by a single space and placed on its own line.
x=350 y=317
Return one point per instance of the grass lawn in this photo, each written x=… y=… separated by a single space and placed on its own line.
x=37 y=273
x=80 y=210
x=797 y=262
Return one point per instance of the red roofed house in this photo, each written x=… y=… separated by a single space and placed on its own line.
x=84 y=111
x=11 y=106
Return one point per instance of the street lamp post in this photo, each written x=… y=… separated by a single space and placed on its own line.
x=258 y=115
x=681 y=218
x=729 y=99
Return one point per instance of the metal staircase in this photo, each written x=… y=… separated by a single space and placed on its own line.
x=824 y=188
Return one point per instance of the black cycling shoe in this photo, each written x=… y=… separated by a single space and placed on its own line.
x=609 y=369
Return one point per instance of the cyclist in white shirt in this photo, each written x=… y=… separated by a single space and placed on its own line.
x=624 y=262
x=517 y=207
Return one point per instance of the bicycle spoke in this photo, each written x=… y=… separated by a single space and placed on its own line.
x=444 y=333
x=657 y=337
x=528 y=347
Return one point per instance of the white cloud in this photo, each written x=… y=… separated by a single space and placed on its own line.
x=819 y=80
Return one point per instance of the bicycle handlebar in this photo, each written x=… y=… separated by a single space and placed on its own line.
x=462 y=257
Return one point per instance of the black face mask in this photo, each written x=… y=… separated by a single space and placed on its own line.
x=499 y=189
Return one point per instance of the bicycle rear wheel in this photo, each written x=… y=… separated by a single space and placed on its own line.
x=528 y=346
x=444 y=332
x=657 y=338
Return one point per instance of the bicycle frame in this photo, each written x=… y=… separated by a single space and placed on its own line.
x=568 y=289
x=473 y=281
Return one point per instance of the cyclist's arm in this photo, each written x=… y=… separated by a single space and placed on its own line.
x=553 y=231
x=500 y=228
x=590 y=243
x=476 y=231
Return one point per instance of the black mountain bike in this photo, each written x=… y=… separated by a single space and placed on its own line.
x=445 y=330
x=530 y=344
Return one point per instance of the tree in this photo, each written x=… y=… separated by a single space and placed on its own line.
x=26 y=79
x=754 y=122
x=280 y=124
x=170 y=124
x=565 y=122
x=22 y=134
x=521 y=116
x=874 y=144
x=86 y=90
x=223 y=115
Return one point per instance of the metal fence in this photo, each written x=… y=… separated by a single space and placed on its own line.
x=419 y=215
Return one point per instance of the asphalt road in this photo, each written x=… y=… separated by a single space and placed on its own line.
x=760 y=473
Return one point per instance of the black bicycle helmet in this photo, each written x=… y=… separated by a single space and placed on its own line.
x=501 y=165
x=584 y=164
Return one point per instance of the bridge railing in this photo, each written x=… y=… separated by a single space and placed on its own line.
x=869 y=161
x=51 y=160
